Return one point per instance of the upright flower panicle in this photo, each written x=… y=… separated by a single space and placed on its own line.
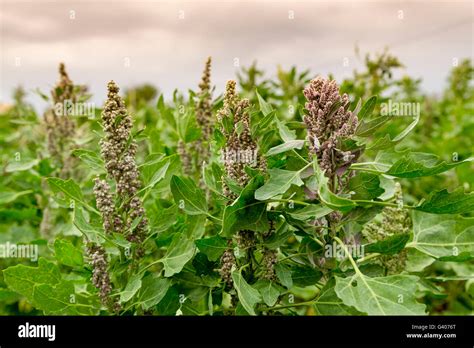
x=327 y=120
x=60 y=128
x=118 y=150
x=204 y=105
x=240 y=149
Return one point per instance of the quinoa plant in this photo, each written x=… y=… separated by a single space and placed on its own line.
x=300 y=200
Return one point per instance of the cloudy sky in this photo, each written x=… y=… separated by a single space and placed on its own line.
x=166 y=42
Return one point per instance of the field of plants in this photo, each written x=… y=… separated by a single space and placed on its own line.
x=291 y=195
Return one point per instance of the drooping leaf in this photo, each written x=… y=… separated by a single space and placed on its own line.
x=248 y=296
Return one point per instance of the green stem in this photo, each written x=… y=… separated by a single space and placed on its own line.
x=300 y=157
x=368 y=257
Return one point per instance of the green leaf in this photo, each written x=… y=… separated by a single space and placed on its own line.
x=269 y=291
x=19 y=166
x=70 y=190
x=188 y=196
x=368 y=108
x=444 y=202
x=328 y=198
x=248 y=296
x=305 y=276
x=10 y=196
x=286 y=134
x=23 y=279
x=154 y=172
x=47 y=291
x=67 y=254
x=245 y=212
x=279 y=237
x=153 y=290
x=312 y=211
x=391 y=245
x=284 y=275
x=329 y=304
x=91 y=232
x=212 y=247
x=392 y=295
x=265 y=107
x=180 y=251
x=61 y=299
x=417 y=165
x=286 y=146
x=280 y=181
x=90 y=158
x=134 y=284
x=366 y=186
x=366 y=129
x=442 y=235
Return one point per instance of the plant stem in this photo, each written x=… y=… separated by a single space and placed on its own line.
x=300 y=157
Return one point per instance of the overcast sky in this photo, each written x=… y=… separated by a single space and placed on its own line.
x=166 y=42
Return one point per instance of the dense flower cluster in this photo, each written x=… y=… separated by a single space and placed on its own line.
x=118 y=150
x=240 y=149
x=185 y=157
x=269 y=261
x=227 y=263
x=60 y=128
x=204 y=105
x=100 y=275
x=328 y=119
